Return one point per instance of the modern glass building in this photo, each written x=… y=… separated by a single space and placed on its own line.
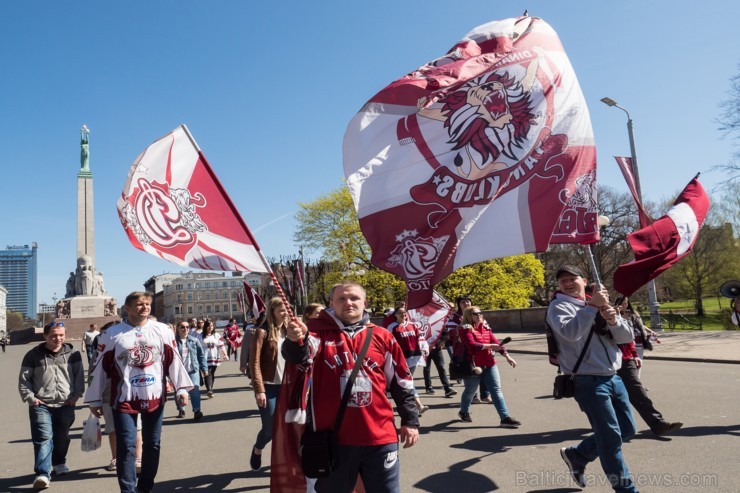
x=18 y=274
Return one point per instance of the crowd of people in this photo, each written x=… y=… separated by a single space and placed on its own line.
x=133 y=364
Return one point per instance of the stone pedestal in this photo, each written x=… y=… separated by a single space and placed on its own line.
x=87 y=306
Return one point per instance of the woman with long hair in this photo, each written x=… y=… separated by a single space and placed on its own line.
x=215 y=349
x=312 y=310
x=266 y=365
x=480 y=343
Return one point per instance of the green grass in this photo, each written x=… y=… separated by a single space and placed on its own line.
x=687 y=306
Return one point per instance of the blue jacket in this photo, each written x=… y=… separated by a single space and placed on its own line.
x=197 y=355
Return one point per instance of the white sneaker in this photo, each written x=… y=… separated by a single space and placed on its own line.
x=40 y=483
x=60 y=469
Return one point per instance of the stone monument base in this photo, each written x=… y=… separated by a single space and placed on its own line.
x=78 y=312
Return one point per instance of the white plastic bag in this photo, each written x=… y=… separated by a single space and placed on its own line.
x=92 y=435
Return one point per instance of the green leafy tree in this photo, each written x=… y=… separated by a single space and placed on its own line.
x=508 y=282
x=15 y=320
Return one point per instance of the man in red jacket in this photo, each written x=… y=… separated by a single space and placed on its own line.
x=368 y=439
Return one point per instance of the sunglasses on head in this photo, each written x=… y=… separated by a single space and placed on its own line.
x=56 y=324
x=477 y=313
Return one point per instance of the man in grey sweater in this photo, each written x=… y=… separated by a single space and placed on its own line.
x=600 y=393
x=50 y=382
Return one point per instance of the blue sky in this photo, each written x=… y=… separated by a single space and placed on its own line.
x=267 y=89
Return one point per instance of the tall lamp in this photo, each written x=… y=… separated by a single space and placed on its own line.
x=652 y=294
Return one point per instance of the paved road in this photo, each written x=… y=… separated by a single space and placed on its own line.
x=452 y=456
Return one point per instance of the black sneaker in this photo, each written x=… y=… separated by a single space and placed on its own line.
x=509 y=422
x=465 y=417
x=431 y=391
x=450 y=392
x=255 y=461
x=664 y=428
x=181 y=414
x=197 y=415
x=576 y=473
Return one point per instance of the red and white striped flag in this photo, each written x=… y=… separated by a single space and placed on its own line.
x=484 y=152
x=240 y=302
x=301 y=288
x=625 y=165
x=665 y=241
x=174 y=207
x=253 y=302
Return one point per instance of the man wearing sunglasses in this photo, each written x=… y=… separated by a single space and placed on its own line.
x=50 y=382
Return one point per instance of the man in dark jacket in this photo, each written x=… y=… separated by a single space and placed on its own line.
x=50 y=382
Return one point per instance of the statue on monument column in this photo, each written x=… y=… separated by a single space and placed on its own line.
x=70 y=286
x=84 y=148
x=85 y=276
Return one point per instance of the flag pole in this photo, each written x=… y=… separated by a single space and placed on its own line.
x=238 y=216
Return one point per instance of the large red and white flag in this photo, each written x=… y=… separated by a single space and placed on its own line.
x=174 y=207
x=431 y=317
x=254 y=303
x=485 y=152
x=625 y=165
x=665 y=241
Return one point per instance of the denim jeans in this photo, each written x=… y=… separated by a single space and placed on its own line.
x=492 y=380
x=50 y=435
x=267 y=414
x=151 y=432
x=606 y=404
x=193 y=394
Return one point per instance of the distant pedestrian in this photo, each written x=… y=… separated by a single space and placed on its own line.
x=51 y=381
x=87 y=342
x=312 y=310
x=233 y=339
x=213 y=345
x=194 y=358
x=4 y=342
x=413 y=345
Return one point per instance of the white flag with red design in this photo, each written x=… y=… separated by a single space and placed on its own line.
x=174 y=207
x=431 y=317
x=625 y=165
x=666 y=241
x=485 y=152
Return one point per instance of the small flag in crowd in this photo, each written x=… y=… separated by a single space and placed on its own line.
x=174 y=207
x=625 y=165
x=431 y=317
x=484 y=152
x=665 y=241
x=254 y=303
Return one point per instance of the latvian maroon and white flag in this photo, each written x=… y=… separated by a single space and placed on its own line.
x=300 y=287
x=625 y=165
x=431 y=317
x=254 y=303
x=664 y=242
x=174 y=207
x=485 y=152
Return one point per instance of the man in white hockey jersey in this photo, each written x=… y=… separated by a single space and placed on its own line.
x=138 y=356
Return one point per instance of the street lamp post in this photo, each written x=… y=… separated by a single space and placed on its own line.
x=652 y=294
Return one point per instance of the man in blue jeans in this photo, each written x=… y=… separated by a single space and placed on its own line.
x=139 y=356
x=600 y=393
x=50 y=382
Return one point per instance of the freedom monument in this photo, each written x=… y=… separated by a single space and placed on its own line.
x=85 y=301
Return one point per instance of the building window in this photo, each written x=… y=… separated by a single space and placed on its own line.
x=215 y=295
x=178 y=287
x=224 y=284
x=190 y=296
x=233 y=307
x=226 y=295
x=190 y=309
x=179 y=298
x=190 y=285
x=200 y=309
x=197 y=285
x=226 y=308
x=208 y=284
x=200 y=296
x=208 y=296
x=177 y=310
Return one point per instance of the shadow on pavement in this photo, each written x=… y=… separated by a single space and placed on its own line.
x=213 y=482
x=444 y=482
